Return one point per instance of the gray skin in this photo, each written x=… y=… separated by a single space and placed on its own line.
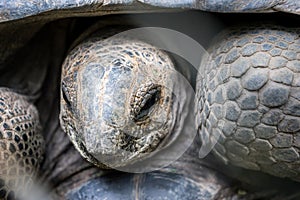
x=52 y=167
x=120 y=129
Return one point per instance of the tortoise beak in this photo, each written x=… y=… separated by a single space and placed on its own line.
x=96 y=137
x=100 y=142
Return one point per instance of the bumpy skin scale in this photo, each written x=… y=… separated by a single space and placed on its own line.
x=21 y=144
x=250 y=95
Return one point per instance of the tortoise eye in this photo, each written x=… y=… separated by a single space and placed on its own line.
x=143 y=101
x=65 y=94
x=150 y=102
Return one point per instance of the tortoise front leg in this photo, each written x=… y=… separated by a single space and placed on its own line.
x=21 y=145
x=249 y=95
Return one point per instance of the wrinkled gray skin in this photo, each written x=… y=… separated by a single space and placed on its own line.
x=117 y=130
x=63 y=167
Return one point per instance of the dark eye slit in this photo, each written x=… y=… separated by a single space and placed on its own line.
x=143 y=101
x=148 y=105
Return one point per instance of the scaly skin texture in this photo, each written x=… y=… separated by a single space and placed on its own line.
x=117 y=101
x=250 y=96
x=21 y=144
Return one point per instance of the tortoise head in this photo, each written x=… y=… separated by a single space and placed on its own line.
x=117 y=100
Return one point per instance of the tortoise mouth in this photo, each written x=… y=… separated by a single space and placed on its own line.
x=116 y=147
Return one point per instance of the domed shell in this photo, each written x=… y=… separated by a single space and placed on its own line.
x=18 y=9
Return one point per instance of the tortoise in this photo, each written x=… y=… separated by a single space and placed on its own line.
x=246 y=99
